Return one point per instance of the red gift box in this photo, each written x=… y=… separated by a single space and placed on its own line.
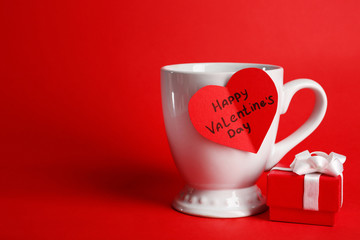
x=285 y=198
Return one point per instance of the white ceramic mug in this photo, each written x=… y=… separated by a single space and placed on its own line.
x=221 y=181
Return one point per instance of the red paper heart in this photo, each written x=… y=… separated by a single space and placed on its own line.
x=238 y=115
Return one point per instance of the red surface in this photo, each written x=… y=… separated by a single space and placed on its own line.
x=84 y=153
x=238 y=115
x=286 y=189
x=285 y=192
x=302 y=216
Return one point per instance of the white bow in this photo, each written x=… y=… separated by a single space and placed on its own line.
x=318 y=162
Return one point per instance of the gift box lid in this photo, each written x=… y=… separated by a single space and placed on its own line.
x=286 y=189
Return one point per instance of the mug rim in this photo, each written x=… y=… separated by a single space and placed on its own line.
x=199 y=68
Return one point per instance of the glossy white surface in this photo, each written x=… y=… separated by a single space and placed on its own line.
x=206 y=165
x=220 y=203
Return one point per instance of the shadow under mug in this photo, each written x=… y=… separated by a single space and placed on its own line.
x=221 y=181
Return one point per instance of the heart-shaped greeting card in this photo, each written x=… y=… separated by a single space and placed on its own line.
x=238 y=115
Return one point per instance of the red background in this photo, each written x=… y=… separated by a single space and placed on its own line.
x=84 y=153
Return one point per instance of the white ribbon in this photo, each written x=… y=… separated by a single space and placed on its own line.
x=311 y=191
x=318 y=162
x=312 y=165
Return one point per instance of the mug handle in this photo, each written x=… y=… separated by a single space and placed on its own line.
x=289 y=90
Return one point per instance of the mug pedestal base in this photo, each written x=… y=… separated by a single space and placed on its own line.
x=228 y=203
